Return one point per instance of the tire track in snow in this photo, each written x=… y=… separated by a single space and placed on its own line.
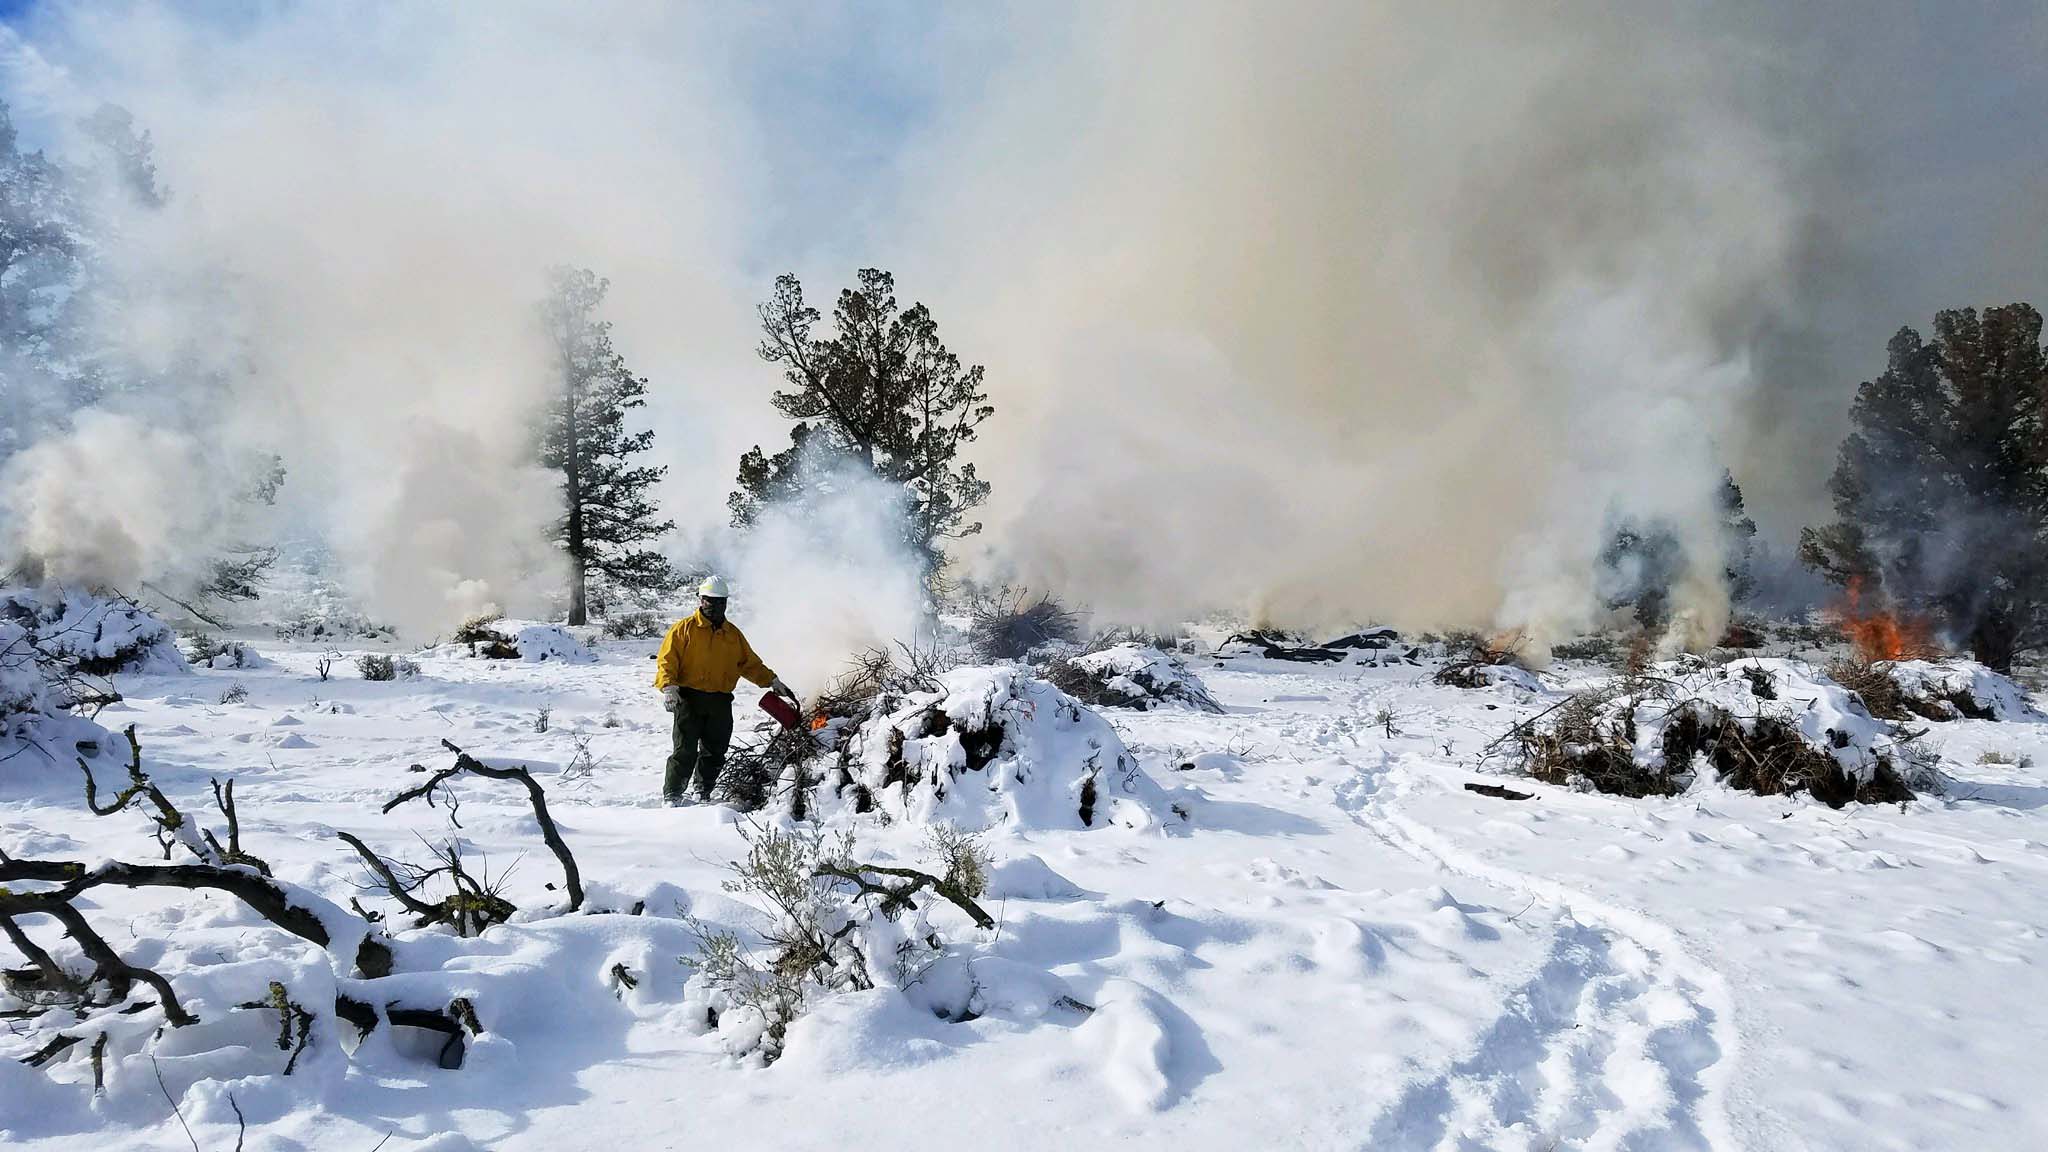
x=1621 y=1040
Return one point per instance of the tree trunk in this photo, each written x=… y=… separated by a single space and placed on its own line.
x=572 y=491
x=1993 y=640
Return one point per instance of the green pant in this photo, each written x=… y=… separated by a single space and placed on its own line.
x=703 y=727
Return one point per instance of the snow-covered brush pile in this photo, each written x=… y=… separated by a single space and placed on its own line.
x=491 y=637
x=216 y=652
x=1772 y=727
x=58 y=646
x=1129 y=675
x=989 y=746
x=538 y=642
x=1937 y=690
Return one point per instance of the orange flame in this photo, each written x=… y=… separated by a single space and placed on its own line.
x=819 y=721
x=1881 y=634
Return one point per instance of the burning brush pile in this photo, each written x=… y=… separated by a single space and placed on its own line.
x=977 y=747
x=1901 y=673
x=1475 y=661
x=1772 y=727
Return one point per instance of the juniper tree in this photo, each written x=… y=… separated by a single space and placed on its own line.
x=883 y=391
x=606 y=511
x=1941 y=488
x=1640 y=563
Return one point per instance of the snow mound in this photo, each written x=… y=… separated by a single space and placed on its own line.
x=1029 y=877
x=1957 y=690
x=88 y=634
x=539 y=642
x=1131 y=676
x=1767 y=726
x=994 y=747
x=58 y=644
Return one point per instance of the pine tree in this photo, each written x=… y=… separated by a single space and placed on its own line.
x=1738 y=541
x=1941 y=488
x=606 y=509
x=883 y=391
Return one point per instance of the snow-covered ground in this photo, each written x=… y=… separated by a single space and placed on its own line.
x=1339 y=947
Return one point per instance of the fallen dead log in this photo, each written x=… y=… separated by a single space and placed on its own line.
x=108 y=966
x=454 y=1022
x=1271 y=648
x=266 y=897
x=1498 y=792
x=1370 y=639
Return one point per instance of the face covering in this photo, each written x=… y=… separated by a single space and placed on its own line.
x=714 y=610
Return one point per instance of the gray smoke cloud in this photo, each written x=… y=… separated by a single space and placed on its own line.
x=1317 y=311
x=1338 y=310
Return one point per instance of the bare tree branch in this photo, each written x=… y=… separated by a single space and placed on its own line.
x=896 y=898
x=465 y=763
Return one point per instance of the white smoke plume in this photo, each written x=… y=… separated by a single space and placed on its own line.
x=92 y=504
x=362 y=206
x=821 y=578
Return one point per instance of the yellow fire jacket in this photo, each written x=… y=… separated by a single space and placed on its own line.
x=696 y=655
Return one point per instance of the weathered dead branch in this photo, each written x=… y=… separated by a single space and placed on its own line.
x=58 y=1045
x=896 y=899
x=108 y=966
x=47 y=975
x=473 y=906
x=173 y=827
x=224 y=799
x=293 y=1021
x=550 y=834
x=265 y=896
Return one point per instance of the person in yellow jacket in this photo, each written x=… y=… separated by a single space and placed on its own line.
x=702 y=658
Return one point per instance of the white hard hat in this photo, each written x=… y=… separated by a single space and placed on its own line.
x=714 y=587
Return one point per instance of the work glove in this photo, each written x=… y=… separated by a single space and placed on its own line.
x=670 y=697
x=779 y=688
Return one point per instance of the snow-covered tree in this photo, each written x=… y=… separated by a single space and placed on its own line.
x=42 y=264
x=606 y=511
x=882 y=391
x=129 y=154
x=1941 y=489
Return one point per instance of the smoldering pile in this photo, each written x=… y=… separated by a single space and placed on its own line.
x=1767 y=726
